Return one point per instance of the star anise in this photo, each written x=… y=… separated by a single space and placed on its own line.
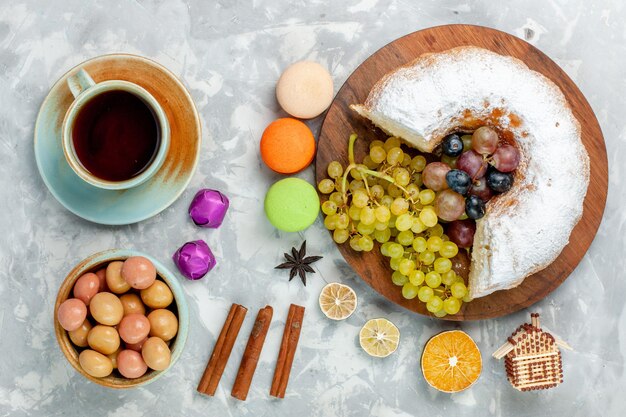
x=299 y=263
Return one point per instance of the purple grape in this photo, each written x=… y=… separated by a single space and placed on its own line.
x=480 y=189
x=506 y=158
x=499 y=182
x=434 y=176
x=472 y=163
x=474 y=207
x=485 y=140
x=462 y=232
x=452 y=145
x=449 y=205
x=459 y=181
x=461 y=264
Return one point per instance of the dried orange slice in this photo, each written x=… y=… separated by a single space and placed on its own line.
x=379 y=337
x=337 y=301
x=451 y=361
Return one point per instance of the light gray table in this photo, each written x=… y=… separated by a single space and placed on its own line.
x=230 y=53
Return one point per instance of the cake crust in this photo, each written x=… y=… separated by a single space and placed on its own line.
x=526 y=228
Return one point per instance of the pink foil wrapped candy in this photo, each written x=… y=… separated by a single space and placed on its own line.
x=208 y=208
x=194 y=259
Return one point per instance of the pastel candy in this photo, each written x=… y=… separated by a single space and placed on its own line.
x=287 y=146
x=292 y=204
x=305 y=89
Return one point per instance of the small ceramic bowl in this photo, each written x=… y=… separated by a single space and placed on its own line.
x=179 y=307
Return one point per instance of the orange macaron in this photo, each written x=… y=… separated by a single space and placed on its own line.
x=287 y=146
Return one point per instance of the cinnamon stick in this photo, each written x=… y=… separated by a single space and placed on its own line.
x=291 y=335
x=221 y=351
x=251 y=354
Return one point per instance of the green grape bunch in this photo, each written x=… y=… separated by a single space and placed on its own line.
x=384 y=199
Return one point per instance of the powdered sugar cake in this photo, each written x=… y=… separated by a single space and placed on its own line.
x=340 y=122
x=526 y=228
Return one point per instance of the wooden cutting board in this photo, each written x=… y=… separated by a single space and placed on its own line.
x=340 y=122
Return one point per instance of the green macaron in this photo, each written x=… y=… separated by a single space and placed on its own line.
x=292 y=204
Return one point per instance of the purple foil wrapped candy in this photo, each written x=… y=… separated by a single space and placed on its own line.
x=194 y=259
x=208 y=208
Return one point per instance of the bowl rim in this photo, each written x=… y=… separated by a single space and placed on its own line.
x=91 y=263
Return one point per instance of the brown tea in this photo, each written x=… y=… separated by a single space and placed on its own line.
x=116 y=135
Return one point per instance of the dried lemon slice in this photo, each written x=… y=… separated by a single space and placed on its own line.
x=379 y=337
x=337 y=301
x=451 y=361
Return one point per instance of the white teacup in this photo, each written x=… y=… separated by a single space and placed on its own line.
x=84 y=89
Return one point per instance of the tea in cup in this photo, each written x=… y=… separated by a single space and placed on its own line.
x=115 y=133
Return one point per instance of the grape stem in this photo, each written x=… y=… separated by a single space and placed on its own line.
x=386 y=178
x=364 y=172
x=367 y=188
x=378 y=175
x=343 y=183
x=353 y=138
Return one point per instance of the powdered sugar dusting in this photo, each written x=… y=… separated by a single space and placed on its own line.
x=526 y=228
